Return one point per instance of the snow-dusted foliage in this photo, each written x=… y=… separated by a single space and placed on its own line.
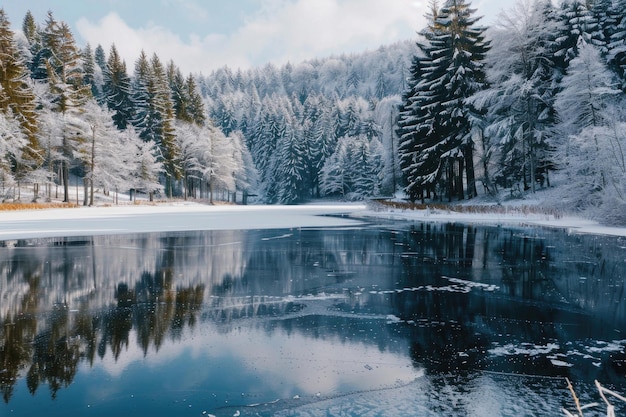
x=590 y=107
x=517 y=107
x=294 y=117
x=536 y=101
x=436 y=144
x=354 y=170
x=12 y=141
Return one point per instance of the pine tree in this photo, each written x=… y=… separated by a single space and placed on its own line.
x=179 y=94
x=588 y=107
x=89 y=72
x=106 y=167
x=12 y=143
x=100 y=58
x=290 y=166
x=617 y=44
x=162 y=115
x=67 y=91
x=38 y=54
x=29 y=28
x=576 y=25
x=141 y=98
x=17 y=99
x=435 y=128
x=145 y=165
x=195 y=105
x=117 y=90
x=518 y=107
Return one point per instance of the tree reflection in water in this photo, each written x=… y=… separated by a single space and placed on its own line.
x=463 y=299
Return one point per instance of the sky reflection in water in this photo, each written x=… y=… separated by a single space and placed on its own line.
x=424 y=320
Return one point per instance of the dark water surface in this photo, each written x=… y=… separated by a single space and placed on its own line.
x=381 y=320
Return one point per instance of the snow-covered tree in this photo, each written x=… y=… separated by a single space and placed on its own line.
x=145 y=167
x=191 y=145
x=117 y=90
x=17 y=100
x=290 y=167
x=142 y=118
x=386 y=115
x=245 y=175
x=162 y=115
x=436 y=140
x=517 y=110
x=66 y=89
x=103 y=152
x=617 y=42
x=12 y=141
x=354 y=170
x=218 y=162
x=589 y=109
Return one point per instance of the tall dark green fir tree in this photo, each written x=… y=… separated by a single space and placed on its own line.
x=436 y=147
x=117 y=90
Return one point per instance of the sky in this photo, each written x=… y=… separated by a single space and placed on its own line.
x=203 y=35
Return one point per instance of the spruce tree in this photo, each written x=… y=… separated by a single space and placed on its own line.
x=162 y=114
x=195 y=105
x=434 y=126
x=66 y=86
x=89 y=71
x=518 y=107
x=17 y=99
x=617 y=44
x=100 y=58
x=141 y=98
x=117 y=90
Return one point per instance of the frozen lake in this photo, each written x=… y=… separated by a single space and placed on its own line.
x=384 y=319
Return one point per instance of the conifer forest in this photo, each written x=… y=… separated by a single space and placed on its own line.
x=461 y=112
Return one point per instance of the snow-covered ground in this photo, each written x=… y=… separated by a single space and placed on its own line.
x=186 y=216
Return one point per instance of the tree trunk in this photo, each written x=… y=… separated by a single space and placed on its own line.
x=85 y=191
x=65 y=176
x=459 y=181
x=469 y=172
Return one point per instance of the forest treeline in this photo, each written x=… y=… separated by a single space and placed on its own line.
x=464 y=110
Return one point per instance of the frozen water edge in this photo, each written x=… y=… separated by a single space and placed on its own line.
x=85 y=221
x=190 y=216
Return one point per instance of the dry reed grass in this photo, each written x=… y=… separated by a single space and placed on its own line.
x=466 y=208
x=13 y=206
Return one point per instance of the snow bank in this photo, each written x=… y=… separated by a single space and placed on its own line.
x=124 y=219
x=189 y=216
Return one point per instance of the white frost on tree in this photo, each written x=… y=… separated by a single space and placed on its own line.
x=589 y=107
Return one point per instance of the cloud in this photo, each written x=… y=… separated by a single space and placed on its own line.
x=279 y=31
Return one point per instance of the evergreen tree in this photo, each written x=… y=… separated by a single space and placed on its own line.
x=89 y=72
x=38 y=54
x=180 y=98
x=162 y=117
x=106 y=167
x=117 y=90
x=617 y=43
x=100 y=58
x=17 y=99
x=195 y=105
x=145 y=165
x=592 y=152
x=67 y=91
x=290 y=167
x=29 y=28
x=516 y=125
x=141 y=98
x=436 y=143
x=576 y=24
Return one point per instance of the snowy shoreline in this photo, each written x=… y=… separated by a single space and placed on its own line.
x=191 y=216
